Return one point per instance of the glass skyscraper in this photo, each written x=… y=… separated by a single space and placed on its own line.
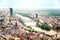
x=11 y=11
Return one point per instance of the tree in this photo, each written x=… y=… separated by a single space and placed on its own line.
x=1 y=20
x=3 y=28
x=37 y=22
x=45 y=27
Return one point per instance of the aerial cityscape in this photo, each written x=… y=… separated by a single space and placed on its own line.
x=18 y=24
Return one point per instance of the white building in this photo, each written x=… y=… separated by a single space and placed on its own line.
x=27 y=21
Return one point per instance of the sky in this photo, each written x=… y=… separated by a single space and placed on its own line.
x=30 y=4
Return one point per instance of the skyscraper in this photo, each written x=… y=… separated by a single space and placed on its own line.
x=36 y=15
x=11 y=11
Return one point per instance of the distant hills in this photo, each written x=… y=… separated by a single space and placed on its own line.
x=50 y=12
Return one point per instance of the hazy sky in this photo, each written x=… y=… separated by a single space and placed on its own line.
x=30 y=4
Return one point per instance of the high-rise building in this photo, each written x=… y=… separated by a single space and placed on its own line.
x=36 y=15
x=11 y=11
